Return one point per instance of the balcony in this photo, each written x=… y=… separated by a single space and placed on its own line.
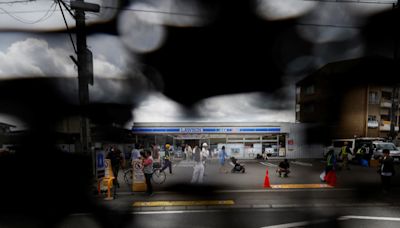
x=385 y=126
x=373 y=124
x=386 y=103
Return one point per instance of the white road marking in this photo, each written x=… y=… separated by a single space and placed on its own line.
x=268 y=164
x=341 y=218
x=296 y=224
x=301 y=163
x=347 y=217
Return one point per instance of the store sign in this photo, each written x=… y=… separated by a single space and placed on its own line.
x=100 y=163
x=210 y=130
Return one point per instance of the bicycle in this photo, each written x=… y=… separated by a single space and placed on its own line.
x=128 y=176
x=158 y=176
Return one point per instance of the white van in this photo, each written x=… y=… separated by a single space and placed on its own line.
x=339 y=143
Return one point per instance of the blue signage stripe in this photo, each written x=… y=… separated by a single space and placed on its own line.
x=155 y=130
x=206 y=130
x=259 y=129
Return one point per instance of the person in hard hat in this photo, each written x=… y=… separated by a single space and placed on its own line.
x=167 y=159
x=198 y=169
x=204 y=153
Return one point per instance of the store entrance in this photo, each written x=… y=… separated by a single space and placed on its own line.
x=191 y=142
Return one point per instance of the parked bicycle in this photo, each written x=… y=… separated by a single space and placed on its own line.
x=158 y=176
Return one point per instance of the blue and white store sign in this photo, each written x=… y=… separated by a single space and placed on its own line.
x=203 y=130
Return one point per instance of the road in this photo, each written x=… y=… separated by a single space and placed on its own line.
x=252 y=218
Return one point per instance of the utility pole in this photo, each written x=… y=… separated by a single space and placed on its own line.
x=85 y=67
x=395 y=94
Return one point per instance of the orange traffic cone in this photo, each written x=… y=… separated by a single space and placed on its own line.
x=266 y=180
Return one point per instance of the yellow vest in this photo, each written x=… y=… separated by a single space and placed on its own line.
x=344 y=151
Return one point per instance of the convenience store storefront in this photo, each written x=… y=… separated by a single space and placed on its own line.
x=242 y=140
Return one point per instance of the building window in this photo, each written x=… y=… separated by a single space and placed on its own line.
x=373 y=97
x=310 y=90
x=386 y=95
x=372 y=122
x=309 y=108
x=371 y=118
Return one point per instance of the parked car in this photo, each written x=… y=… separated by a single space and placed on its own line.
x=379 y=146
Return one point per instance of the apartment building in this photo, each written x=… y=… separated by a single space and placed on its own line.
x=350 y=98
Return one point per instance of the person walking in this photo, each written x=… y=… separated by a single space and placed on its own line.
x=344 y=155
x=386 y=170
x=198 y=169
x=167 y=159
x=221 y=156
x=148 y=171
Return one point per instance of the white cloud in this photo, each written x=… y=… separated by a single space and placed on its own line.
x=34 y=57
x=229 y=108
x=7 y=119
x=173 y=12
x=278 y=9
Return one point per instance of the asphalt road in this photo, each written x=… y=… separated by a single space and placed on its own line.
x=252 y=218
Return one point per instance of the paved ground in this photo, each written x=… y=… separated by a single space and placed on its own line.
x=302 y=172
x=358 y=186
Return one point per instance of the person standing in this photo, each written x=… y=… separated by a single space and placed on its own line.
x=221 y=156
x=167 y=159
x=344 y=155
x=135 y=154
x=148 y=171
x=117 y=161
x=330 y=164
x=188 y=152
x=386 y=170
x=204 y=153
x=198 y=169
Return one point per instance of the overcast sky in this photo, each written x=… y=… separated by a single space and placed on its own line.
x=145 y=32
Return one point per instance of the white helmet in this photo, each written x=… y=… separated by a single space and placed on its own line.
x=205 y=144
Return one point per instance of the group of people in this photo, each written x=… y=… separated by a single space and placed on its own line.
x=385 y=169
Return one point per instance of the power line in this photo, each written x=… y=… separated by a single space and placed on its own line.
x=153 y=11
x=46 y=16
x=66 y=25
x=353 y=1
x=330 y=25
x=18 y=1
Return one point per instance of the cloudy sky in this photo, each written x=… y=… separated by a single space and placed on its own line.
x=143 y=32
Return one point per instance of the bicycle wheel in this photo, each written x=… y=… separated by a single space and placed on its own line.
x=128 y=177
x=158 y=177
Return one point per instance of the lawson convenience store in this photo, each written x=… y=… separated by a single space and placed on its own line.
x=242 y=140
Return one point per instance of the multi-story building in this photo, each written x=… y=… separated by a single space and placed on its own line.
x=350 y=98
